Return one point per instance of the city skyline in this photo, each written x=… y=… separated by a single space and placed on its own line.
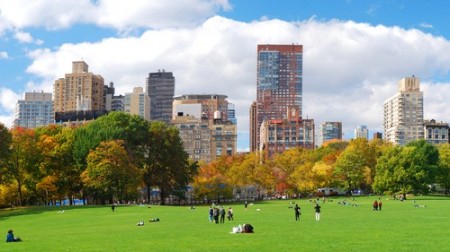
x=355 y=51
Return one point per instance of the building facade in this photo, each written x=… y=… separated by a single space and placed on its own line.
x=34 y=111
x=161 y=90
x=436 y=132
x=79 y=90
x=403 y=113
x=195 y=115
x=195 y=135
x=279 y=83
x=362 y=131
x=329 y=131
x=278 y=135
x=137 y=103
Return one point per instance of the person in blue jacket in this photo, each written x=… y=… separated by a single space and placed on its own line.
x=10 y=237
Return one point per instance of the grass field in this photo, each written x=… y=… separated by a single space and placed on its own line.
x=398 y=227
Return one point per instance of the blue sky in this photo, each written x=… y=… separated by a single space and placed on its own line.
x=355 y=51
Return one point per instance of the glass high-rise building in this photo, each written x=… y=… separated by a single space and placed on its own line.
x=279 y=84
x=161 y=90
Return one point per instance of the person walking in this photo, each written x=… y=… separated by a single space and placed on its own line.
x=317 y=210
x=297 y=212
x=380 y=204
x=375 y=205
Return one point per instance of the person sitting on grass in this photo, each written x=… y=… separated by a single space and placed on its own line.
x=10 y=237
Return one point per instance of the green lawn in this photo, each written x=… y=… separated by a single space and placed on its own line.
x=398 y=227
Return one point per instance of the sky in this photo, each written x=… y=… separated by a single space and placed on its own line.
x=355 y=51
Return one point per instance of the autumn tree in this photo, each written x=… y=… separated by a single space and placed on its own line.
x=21 y=165
x=110 y=174
x=5 y=142
x=211 y=182
x=353 y=167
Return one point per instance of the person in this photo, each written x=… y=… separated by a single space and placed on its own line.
x=222 y=214
x=297 y=212
x=245 y=205
x=230 y=213
x=10 y=237
x=140 y=223
x=216 y=215
x=113 y=207
x=247 y=228
x=375 y=205
x=317 y=210
x=211 y=211
x=380 y=204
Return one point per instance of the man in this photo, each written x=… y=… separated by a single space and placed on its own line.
x=297 y=212
x=317 y=210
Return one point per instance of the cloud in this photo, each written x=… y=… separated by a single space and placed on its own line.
x=25 y=37
x=120 y=15
x=8 y=101
x=4 y=55
x=426 y=25
x=350 y=68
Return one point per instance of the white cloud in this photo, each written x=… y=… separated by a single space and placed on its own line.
x=426 y=25
x=8 y=101
x=350 y=68
x=25 y=37
x=4 y=55
x=120 y=15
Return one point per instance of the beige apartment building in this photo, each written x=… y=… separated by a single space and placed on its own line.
x=137 y=103
x=79 y=90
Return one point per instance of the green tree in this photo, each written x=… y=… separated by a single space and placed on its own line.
x=443 y=176
x=411 y=168
x=167 y=165
x=5 y=143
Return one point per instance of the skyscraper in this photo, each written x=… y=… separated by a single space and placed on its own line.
x=403 y=113
x=161 y=90
x=362 y=131
x=279 y=84
x=35 y=110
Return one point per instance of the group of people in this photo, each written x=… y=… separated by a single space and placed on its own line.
x=377 y=205
x=217 y=214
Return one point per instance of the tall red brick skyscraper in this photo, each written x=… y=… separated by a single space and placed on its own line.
x=279 y=85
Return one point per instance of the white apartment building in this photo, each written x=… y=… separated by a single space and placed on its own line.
x=35 y=110
x=403 y=113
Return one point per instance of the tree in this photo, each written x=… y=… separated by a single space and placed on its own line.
x=211 y=183
x=22 y=163
x=353 y=167
x=110 y=173
x=166 y=163
x=56 y=147
x=443 y=176
x=411 y=168
x=5 y=143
